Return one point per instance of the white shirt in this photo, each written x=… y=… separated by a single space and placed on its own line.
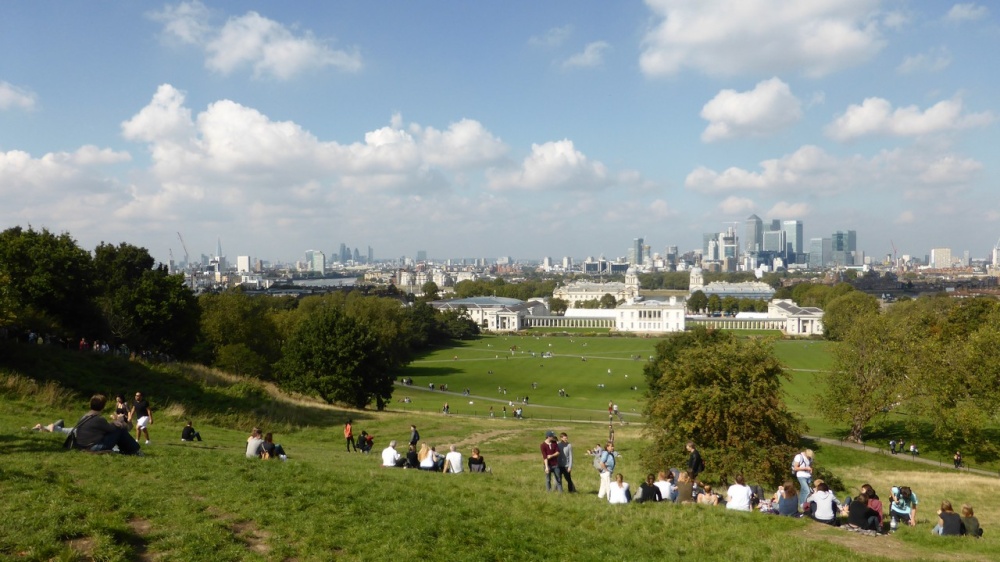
x=802 y=460
x=454 y=461
x=826 y=503
x=666 y=489
x=617 y=494
x=739 y=497
x=389 y=456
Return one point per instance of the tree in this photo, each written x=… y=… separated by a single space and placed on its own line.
x=714 y=303
x=730 y=305
x=724 y=394
x=337 y=358
x=608 y=301
x=49 y=278
x=869 y=374
x=430 y=291
x=842 y=311
x=558 y=306
x=697 y=302
x=246 y=327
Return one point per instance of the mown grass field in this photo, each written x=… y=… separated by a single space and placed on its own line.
x=205 y=501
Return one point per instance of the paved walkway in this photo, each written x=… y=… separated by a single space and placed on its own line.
x=899 y=456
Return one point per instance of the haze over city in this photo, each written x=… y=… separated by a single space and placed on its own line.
x=523 y=129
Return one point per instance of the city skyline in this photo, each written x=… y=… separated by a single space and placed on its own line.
x=526 y=130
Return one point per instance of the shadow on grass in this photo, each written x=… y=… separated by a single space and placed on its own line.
x=18 y=444
x=182 y=390
x=431 y=372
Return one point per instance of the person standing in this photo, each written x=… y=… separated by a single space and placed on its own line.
x=695 y=464
x=958 y=460
x=607 y=467
x=550 y=460
x=802 y=467
x=349 y=436
x=566 y=461
x=142 y=416
x=414 y=436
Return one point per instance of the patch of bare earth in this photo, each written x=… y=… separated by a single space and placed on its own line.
x=82 y=546
x=140 y=528
x=255 y=539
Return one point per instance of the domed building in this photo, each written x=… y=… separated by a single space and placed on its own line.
x=582 y=291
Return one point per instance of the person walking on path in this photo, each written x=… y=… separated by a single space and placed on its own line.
x=349 y=436
x=802 y=466
x=566 y=461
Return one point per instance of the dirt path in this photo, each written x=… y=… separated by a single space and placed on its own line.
x=901 y=456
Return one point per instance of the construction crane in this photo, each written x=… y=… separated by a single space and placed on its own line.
x=187 y=260
x=895 y=260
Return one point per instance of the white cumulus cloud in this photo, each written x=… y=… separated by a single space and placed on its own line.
x=786 y=209
x=876 y=116
x=734 y=37
x=769 y=107
x=932 y=61
x=967 y=12
x=591 y=56
x=734 y=205
x=269 y=48
x=553 y=165
x=12 y=96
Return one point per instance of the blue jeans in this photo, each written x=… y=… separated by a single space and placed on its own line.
x=804 y=482
x=553 y=471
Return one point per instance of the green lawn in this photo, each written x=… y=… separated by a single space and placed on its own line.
x=205 y=501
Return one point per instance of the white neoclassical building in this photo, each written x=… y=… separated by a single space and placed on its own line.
x=496 y=314
x=582 y=291
x=651 y=316
x=799 y=320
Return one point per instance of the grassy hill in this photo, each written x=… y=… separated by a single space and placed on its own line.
x=205 y=501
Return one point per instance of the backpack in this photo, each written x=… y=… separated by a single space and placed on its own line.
x=70 y=442
x=598 y=462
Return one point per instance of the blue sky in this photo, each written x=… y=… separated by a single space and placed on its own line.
x=474 y=129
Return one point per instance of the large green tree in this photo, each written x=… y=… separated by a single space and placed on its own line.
x=724 y=394
x=841 y=312
x=240 y=332
x=336 y=358
x=50 y=279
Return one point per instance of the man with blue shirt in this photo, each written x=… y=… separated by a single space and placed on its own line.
x=903 y=507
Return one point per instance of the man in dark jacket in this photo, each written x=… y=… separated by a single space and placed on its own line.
x=695 y=464
x=96 y=434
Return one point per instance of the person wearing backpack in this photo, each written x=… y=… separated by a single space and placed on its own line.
x=607 y=462
x=802 y=467
x=94 y=433
x=695 y=464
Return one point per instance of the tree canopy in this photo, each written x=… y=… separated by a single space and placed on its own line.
x=724 y=394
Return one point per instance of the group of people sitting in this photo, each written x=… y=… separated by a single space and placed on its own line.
x=262 y=446
x=427 y=458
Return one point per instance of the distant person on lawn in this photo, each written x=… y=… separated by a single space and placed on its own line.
x=566 y=461
x=142 y=416
x=390 y=457
x=189 y=433
x=550 y=461
x=96 y=434
x=273 y=451
x=414 y=436
x=476 y=461
x=349 y=436
x=695 y=464
x=255 y=443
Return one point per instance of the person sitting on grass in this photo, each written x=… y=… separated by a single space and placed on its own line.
x=411 y=457
x=452 y=461
x=425 y=458
x=255 y=443
x=970 y=522
x=648 y=492
x=685 y=488
x=823 y=504
x=619 y=492
x=390 y=457
x=665 y=482
x=476 y=461
x=96 y=434
x=874 y=502
x=365 y=442
x=271 y=450
x=949 y=523
x=189 y=433
x=788 y=499
x=861 y=515
x=739 y=495
x=707 y=496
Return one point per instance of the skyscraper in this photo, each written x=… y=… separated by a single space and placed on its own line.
x=793 y=239
x=635 y=254
x=754 y=234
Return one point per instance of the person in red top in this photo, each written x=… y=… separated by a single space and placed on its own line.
x=349 y=435
x=550 y=460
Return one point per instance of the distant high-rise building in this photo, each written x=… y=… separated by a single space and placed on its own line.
x=775 y=224
x=635 y=253
x=357 y=256
x=819 y=252
x=344 y=254
x=709 y=247
x=567 y=263
x=371 y=255
x=421 y=255
x=793 y=238
x=242 y=264
x=315 y=261
x=940 y=258
x=754 y=234
x=774 y=241
x=841 y=248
